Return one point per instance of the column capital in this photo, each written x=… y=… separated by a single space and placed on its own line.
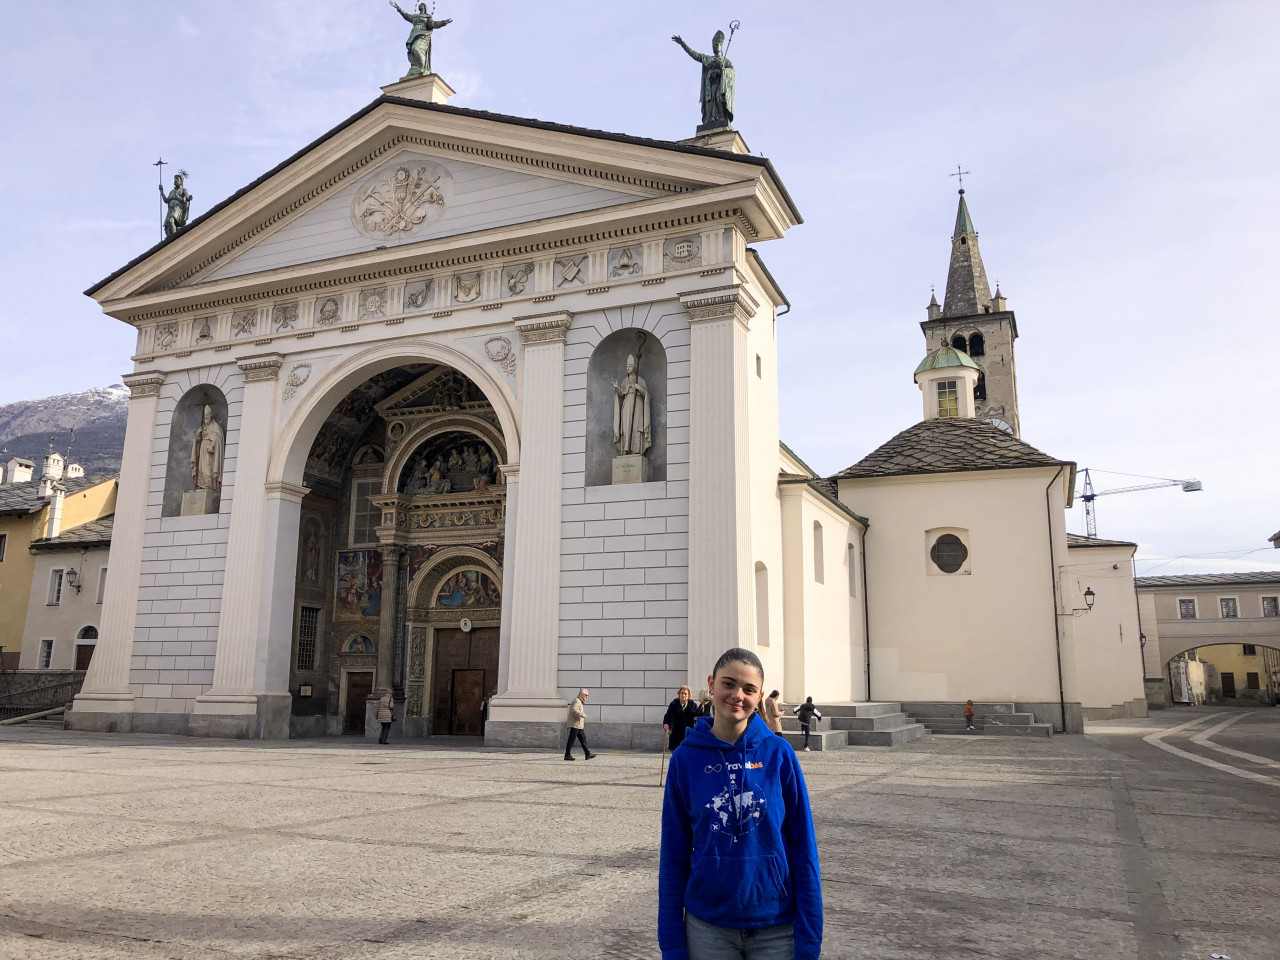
x=279 y=490
x=720 y=303
x=544 y=327
x=510 y=472
x=144 y=384
x=262 y=366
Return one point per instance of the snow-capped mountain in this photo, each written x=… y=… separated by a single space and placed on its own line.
x=98 y=416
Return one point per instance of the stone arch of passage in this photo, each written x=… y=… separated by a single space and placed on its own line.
x=1171 y=650
x=294 y=439
x=445 y=563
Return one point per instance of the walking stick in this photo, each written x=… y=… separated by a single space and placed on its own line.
x=662 y=769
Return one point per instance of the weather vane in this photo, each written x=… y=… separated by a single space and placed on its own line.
x=961 y=174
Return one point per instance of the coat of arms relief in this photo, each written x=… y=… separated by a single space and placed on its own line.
x=400 y=198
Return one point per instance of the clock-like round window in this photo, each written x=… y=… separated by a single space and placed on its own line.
x=949 y=553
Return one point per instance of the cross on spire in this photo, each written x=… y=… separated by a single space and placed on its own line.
x=961 y=174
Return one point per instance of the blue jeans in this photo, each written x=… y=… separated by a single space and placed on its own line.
x=709 y=942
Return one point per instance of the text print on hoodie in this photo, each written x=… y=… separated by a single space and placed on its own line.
x=737 y=840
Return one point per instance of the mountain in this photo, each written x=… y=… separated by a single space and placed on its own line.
x=98 y=416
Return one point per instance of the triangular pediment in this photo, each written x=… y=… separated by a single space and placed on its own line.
x=402 y=178
x=412 y=196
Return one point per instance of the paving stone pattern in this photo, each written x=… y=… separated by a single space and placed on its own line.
x=161 y=847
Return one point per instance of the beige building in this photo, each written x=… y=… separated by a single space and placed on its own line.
x=1228 y=620
x=35 y=509
x=67 y=587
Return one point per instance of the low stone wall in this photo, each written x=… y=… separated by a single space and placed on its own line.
x=1158 y=696
x=1133 y=709
x=24 y=680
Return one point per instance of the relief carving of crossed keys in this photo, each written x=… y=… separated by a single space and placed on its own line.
x=398 y=201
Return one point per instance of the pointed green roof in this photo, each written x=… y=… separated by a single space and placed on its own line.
x=964 y=223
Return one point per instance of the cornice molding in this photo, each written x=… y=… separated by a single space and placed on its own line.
x=146 y=383
x=263 y=366
x=544 y=327
x=279 y=490
x=719 y=303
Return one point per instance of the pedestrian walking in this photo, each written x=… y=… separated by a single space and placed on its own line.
x=704 y=703
x=386 y=713
x=738 y=870
x=807 y=713
x=773 y=712
x=968 y=715
x=681 y=715
x=576 y=722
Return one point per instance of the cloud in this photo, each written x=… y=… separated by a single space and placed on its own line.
x=187 y=28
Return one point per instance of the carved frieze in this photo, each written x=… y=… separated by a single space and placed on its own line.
x=284 y=316
x=717 y=303
x=143 y=384
x=626 y=262
x=414 y=700
x=373 y=303
x=202 y=330
x=544 y=327
x=466 y=287
x=680 y=253
x=243 y=323
x=166 y=336
x=262 y=367
x=571 y=271
x=515 y=278
x=328 y=311
x=417 y=295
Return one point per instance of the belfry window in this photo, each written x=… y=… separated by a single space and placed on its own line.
x=980 y=388
x=948 y=399
x=977 y=345
x=958 y=342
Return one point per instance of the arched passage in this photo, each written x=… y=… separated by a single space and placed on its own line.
x=1235 y=672
x=367 y=532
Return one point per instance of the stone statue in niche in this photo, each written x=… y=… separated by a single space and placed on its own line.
x=632 y=428
x=206 y=467
x=718 y=76
x=418 y=45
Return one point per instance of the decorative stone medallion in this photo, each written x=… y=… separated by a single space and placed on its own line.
x=500 y=352
x=284 y=316
x=466 y=287
x=626 y=262
x=417 y=295
x=299 y=375
x=202 y=329
x=328 y=311
x=166 y=336
x=401 y=198
x=516 y=278
x=373 y=303
x=571 y=271
x=243 y=323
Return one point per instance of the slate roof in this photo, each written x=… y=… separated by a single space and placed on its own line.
x=1079 y=540
x=21 y=498
x=460 y=112
x=949 y=445
x=1211 y=579
x=1275 y=538
x=95 y=533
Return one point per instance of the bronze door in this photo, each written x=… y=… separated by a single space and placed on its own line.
x=359 y=686
x=456 y=705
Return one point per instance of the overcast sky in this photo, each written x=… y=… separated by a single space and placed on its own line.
x=1124 y=185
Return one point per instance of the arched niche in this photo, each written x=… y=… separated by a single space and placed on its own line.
x=609 y=363
x=424 y=589
x=397 y=474
x=188 y=416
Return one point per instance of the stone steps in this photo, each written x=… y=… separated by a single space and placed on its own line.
x=854 y=724
x=989 y=720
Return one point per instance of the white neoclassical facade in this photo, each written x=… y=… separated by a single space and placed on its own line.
x=477 y=408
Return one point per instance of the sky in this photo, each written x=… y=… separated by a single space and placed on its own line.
x=1123 y=181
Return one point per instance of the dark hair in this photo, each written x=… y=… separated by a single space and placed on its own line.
x=738 y=655
x=772 y=695
x=808 y=699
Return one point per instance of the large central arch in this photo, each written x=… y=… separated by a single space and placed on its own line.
x=294 y=439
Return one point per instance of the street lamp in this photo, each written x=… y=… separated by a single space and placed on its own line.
x=73 y=579
x=1089 y=597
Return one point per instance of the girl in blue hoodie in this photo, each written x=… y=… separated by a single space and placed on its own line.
x=738 y=875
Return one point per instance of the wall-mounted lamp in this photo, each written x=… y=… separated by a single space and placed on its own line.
x=73 y=579
x=1089 y=597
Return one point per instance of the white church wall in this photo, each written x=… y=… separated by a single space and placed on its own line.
x=825 y=653
x=1108 y=654
x=183 y=564
x=988 y=635
x=624 y=547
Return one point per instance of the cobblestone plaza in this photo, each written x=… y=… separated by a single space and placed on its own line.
x=1081 y=847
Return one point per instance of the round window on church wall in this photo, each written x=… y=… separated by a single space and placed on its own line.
x=949 y=553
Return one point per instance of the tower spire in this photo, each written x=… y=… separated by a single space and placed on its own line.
x=968 y=293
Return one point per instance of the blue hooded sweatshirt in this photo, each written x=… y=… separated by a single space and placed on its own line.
x=737 y=840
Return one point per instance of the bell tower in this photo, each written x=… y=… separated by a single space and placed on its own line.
x=978 y=323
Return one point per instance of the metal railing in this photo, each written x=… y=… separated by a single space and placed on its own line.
x=45 y=697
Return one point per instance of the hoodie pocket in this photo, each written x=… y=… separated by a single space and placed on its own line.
x=748 y=886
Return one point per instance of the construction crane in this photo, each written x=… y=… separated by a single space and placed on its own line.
x=1088 y=494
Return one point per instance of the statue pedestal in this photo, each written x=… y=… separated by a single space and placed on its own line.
x=428 y=87
x=199 y=502
x=633 y=468
x=718 y=137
